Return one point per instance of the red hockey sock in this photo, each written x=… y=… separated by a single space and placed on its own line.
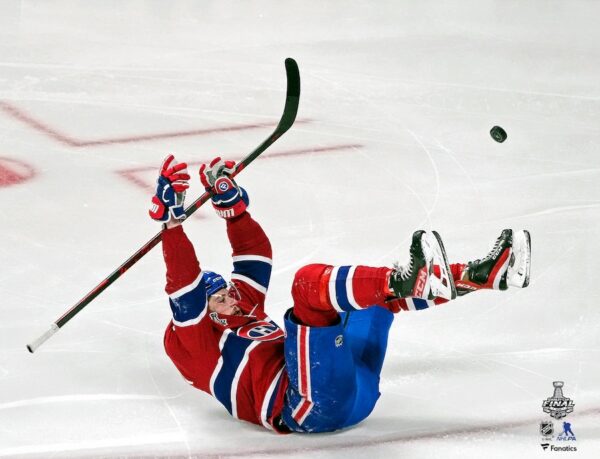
x=456 y=269
x=320 y=291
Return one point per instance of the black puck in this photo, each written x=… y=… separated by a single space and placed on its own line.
x=498 y=134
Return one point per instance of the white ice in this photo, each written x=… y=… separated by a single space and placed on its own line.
x=392 y=135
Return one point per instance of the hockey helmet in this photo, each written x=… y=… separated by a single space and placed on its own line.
x=213 y=282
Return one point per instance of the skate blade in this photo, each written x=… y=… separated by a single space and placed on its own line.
x=519 y=266
x=443 y=286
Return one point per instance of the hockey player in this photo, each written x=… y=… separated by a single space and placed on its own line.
x=323 y=373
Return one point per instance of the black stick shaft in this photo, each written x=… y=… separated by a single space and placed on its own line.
x=287 y=120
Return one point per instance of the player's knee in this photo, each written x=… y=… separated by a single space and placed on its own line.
x=309 y=273
x=305 y=288
x=311 y=306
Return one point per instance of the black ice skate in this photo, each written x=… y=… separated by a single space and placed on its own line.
x=491 y=271
x=416 y=278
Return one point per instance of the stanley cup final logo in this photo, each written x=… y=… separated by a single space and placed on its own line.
x=558 y=406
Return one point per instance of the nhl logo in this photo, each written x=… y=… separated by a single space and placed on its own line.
x=546 y=428
x=558 y=406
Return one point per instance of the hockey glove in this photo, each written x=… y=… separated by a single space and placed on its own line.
x=171 y=185
x=217 y=168
x=228 y=199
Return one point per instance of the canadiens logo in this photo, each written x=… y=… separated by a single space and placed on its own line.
x=260 y=331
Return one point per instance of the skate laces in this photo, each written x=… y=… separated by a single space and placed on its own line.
x=404 y=271
x=490 y=254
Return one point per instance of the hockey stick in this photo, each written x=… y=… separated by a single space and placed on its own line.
x=287 y=120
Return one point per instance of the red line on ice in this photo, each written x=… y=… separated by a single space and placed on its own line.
x=21 y=115
x=132 y=174
x=13 y=172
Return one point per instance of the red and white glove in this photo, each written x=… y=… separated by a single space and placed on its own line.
x=176 y=173
x=217 y=168
x=228 y=199
x=171 y=186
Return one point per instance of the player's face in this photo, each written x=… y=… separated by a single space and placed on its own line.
x=225 y=301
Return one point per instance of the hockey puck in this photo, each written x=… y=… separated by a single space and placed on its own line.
x=498 y=134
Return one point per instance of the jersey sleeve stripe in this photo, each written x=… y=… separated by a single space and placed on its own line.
x=250 y=282
x=190 y=306
x=258 y=271
x=236 y=377
x=190 y=322
x=188 y=288
x=234 y=351
x=219 y=364
x=266 y=410
x=237 y=258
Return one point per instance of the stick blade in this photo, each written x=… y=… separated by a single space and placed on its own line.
x=293 y=77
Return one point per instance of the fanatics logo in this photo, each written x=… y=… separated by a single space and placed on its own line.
x=339 y=340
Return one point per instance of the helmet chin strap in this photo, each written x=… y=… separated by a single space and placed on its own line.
x=250 y=314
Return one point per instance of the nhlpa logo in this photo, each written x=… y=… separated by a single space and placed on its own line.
x=567 y=433
x=558 y=406
x=260 y=331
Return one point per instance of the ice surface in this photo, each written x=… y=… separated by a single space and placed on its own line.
x=392 y=135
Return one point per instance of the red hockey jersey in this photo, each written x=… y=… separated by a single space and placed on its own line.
x=239 y=360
